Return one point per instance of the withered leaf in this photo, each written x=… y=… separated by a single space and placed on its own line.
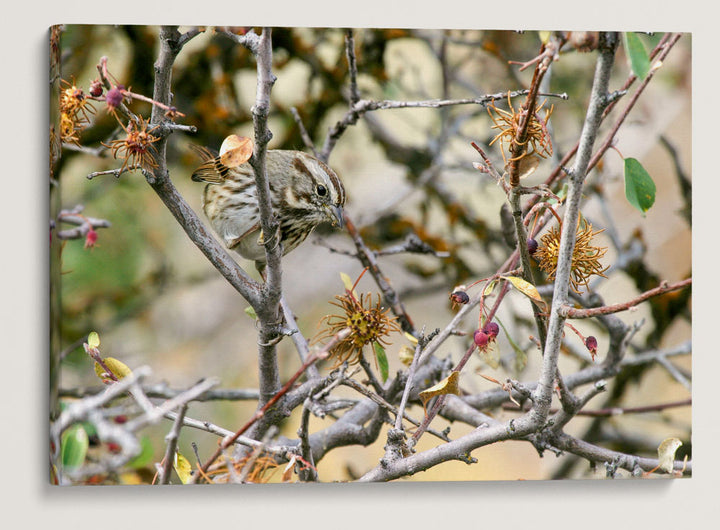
x=236 y=150
x=449 y=385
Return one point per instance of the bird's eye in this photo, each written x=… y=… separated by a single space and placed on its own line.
x=321 y=190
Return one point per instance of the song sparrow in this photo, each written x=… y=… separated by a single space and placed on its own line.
x=304 y=192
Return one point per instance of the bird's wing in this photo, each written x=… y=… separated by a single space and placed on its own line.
x=212 y=170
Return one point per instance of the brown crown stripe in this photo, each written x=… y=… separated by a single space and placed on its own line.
x=301 y=167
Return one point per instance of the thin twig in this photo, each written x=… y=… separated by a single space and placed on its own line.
x=367 y=258
x=363 y=106
x=172 y=439
x=270 y=403
x=617 y=411
x=303 y=131
x=572 y=312
x=610 y=138
x=308 y=473
x=390 y=408
x=409 y=382
x=301 y=343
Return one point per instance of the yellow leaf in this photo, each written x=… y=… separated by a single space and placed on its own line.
x=118 y=368
x=409 y=337
x=406 y=355
x=544 y=36
x=449 y=385
x=666 y=453
x=183 y=468
x=489 y=288
x=348 y=283
x=525 y=288
x=93 y=339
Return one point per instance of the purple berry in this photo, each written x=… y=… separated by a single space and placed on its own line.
x=460 y=297
x=491 y=329
x=591 y=344
x=113 y=98
x=532 y=245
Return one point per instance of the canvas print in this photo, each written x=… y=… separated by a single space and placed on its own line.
x=296 y=254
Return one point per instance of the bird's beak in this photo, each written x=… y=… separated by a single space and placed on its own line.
x=336 y=215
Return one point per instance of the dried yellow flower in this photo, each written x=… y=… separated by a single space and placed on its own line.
x=509 y=122
x=585 y=259
x=75 y=110
x=368 y=323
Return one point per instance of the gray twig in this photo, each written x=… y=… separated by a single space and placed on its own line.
x=171 y=439
x=556 y=324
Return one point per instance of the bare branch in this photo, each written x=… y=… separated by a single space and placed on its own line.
x=571 y=312
x=598 y=102
x=171 y=439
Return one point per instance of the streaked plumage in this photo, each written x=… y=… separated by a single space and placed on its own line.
x=304 y=191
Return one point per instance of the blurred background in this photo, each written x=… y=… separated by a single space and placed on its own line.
x=155 y=300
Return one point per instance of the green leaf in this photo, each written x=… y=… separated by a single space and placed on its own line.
x=74 y=447
x=89 y=428
x=249 y=311
x=639 y=60
x=639 y=186
x=145 y=456
x=93 y=339
x=381 y=360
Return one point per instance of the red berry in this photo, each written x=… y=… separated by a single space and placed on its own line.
x=91 y=238
x=481 y=339
x=491 y=329
x=96 y=89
